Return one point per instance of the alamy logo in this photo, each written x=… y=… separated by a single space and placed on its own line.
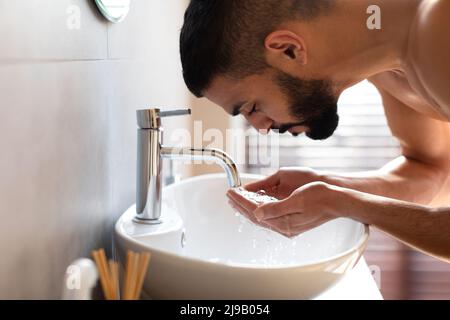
x=374 y=20
x=73 y=279
x=73 y=21
x=233 y=141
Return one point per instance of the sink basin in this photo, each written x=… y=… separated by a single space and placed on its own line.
x=203 y=249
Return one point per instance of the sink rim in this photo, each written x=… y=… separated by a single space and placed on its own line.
x=359 y=246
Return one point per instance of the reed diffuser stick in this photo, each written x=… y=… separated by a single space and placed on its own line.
x=102 y=267
x=133 y=277
x=144 y=259
x=114 y=267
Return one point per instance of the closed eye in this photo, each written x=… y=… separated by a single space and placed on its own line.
x=253 y=110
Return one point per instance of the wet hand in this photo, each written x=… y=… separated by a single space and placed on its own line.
x=282 y=183
x=307 y=207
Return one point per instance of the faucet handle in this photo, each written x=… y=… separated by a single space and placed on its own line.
x=151 y=118
x=172 y=113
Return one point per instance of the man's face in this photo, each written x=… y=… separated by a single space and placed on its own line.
x=279 y=101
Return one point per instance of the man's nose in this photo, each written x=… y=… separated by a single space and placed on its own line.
x=262 y=124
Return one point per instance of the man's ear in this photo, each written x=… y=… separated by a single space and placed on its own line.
x=284 y=45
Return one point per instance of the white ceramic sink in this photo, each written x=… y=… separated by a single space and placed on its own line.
x=205 y=250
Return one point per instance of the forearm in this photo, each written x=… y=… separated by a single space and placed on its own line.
x=402 y=179
x=418 y=226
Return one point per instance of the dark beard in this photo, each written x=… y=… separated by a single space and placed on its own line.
x=312 y=103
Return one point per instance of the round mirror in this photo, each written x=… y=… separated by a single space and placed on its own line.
x=114 y=10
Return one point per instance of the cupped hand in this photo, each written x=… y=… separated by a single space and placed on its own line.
x=305 y=208
x=282 y=183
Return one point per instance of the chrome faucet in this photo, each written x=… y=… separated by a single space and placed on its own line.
x=150 y=153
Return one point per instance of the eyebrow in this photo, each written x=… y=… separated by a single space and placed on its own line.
x=237 y=108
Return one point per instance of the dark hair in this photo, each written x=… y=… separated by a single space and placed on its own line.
x=227 y=36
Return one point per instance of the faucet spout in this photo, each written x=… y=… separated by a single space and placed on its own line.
x=218 y=156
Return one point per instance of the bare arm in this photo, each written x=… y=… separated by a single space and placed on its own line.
x=421 y=174
x=423 y=228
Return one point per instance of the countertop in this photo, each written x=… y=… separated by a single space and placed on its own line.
x=358 y=284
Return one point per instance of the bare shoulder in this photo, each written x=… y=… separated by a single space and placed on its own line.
x=429 y=50
x=432 y=25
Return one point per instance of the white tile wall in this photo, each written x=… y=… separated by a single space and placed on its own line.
x=49 y=30
x=68 y=128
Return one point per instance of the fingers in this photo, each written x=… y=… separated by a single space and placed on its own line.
x=242 y=205
x=295 y=224
x=242 y=211
x=289 y=225
x=280 y=225
x=278 y=209
x=264 y=184
x=247 y=204
x=248 y=215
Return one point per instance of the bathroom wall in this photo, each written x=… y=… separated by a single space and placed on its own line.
x=209 y=128
x=70 y=83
